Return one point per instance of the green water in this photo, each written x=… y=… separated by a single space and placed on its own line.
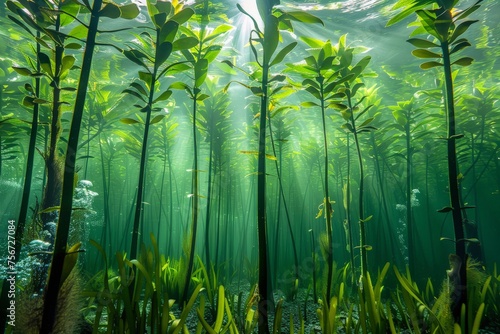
x=205 y=175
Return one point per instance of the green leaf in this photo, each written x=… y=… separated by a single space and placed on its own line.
x=129 y=12
x=430 y=64
x=168 y=32
x=185 y=43
x=445 y=209
x=303 y=17
x=73 y=46
x=422 y=43
x=178 y=85
x=45 y=63
x=282 y=54
x=459 y=46
x=309 y=104
x=310 y=82
x=200 y=72
x=367 y=219
x=129 y=121
x=134 y=93
x=67 y=63
x=22 y=70
x=183 y=16
x=110 y=10
x=135 y=56
x=422 y=53
x=218 y=31
x=462 y=15
x=162 y=54
x=465 y=61
x=157 y=119
x=202 y=97
x=271 y=38
x=139 y=88
x=163 y=96
x=367 y=121
x=146 y=77
x=462 y=28
x=28 y=101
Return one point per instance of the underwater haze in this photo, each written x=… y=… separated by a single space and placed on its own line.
x=249 y=166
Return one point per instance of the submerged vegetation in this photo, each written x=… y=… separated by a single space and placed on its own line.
x=199 y=166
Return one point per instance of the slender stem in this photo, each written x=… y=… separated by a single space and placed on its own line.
x=453 y=179
x=326 y=204
x=60 y=243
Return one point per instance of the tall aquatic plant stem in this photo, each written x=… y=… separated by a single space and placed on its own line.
x=55 y=279
x=454 y=193
x=23 y=211
x=446 y=24
x=327 y=204
x=264 y=303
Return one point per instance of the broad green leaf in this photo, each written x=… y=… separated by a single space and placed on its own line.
x=134 y=93
x=73 y=46
x=422 y=43
x=430 y=64
x=312 y=42
x=67 y=63
x=304 y=17
x=163 y=96
x=309 y=104
x=129 y=11
x=310 y=82
x=202 y=97
x=168 y=32
x=423 y=53
x=157 y=119
x=136 y=56
x=462 y=28
x=200 y=72
x=160 y=19
x=348 y=127
x=139 y=88
x=427 y=20
x=162 y=54
x=460 y=46
x=129 y=121
x=465 y=61
x=365 y=123
x=146 y=77
x=221 y=29
x=314 y=92
x=282 y=54
x=110 y=10
x=462 y=15
x=279 y=78
x=271 y=38
x=45 y=63
x=185 y=43
x=183 y=16
x=22 y=70
x=445 y=209
x=178 y=85
x=212 y=52
x=28 y=101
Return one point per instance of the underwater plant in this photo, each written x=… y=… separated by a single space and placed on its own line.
x=321 y=72
x=445 y=24
x=273 y=20
x=350 y=76
x=151 y=54
x=198 y=56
